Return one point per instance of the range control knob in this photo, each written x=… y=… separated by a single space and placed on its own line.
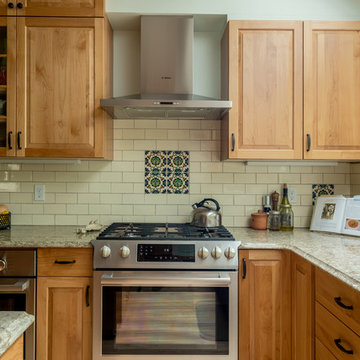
x=203 y=253
x=2 y=264
x=216 y=252
x=230 y=253
x=124 y=252
x=105 y=252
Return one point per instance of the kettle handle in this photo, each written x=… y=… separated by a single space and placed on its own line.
x=201 y=203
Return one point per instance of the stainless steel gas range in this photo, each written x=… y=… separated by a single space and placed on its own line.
x=165 y=291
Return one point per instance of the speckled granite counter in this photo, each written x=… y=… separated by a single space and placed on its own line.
x=45 y=236
x=339 y=255
x=12 y=325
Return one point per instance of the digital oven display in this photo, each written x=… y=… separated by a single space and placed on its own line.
x=166 y=253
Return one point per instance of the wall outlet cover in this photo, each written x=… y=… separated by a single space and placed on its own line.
x=39 y=192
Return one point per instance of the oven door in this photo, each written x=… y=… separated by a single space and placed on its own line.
x=165 y=314
x=18 y=294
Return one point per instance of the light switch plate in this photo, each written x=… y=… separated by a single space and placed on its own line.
x=292 y=195
x=39 y=192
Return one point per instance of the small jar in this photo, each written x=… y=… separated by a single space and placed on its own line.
x=259 y=220
x=274 y=220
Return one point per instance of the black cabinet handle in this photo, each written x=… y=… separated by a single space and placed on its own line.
x=10 y=5
x=341 y=304
x=19 y=5
x=308 y=139
x=337 y=343
x=19 y=140
x=87 y=296
x=244 y=268
x=232 y=142
x=65 y=262
x=9 y=139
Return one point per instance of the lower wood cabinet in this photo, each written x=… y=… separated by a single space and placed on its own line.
x=264 y=305
x=302 y=288
x=16 y=350
x=64 y=305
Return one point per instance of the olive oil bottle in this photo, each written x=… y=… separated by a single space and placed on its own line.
x=286 y=213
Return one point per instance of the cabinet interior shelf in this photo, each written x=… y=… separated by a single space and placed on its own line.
x=3 y=55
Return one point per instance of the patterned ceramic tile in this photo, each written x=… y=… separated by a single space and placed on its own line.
x=321 y=189
x=166 y=172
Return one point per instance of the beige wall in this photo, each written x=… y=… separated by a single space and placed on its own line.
x=114 y=190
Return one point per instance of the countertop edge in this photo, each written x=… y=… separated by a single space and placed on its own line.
x=13 y=325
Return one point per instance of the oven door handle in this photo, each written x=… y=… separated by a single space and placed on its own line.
x=165 y=281
x=19 y=286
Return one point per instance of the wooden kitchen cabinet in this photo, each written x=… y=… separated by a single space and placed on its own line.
x=262 y=76
x=61 y=67
x=64 y=305
x=56 y=71
x=15 y=351
x=80 y=8
x=302 y=284
x=332 y=89
x=264 y=305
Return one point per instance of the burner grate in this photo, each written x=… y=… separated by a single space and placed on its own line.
x=163 y=231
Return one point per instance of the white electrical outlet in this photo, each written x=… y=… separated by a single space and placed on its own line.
x=39 y=192
x=292 y=195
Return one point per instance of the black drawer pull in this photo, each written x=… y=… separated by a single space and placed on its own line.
x=19 y=5
x=10 y=5
x=244 y=268
x=341 y=304
x=337 y=343
x=65 y=262
x=87 y=296
x=9 y=140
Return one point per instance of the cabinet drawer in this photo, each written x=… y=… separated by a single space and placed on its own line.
x=64 y=262
x=335 y=296
x=329 y=328
x=322 y=353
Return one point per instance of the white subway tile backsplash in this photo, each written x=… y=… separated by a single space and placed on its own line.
x=114 y=190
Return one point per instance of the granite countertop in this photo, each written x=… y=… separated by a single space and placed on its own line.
x=20 y=236
x=12 y=325
x=339 y=255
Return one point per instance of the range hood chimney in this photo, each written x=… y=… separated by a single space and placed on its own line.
x=166 y=76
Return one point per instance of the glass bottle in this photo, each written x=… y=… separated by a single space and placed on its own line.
x=286 y=213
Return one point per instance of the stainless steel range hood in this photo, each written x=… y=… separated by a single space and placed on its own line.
x=166 y=76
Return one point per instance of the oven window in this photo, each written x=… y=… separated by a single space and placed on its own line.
x=165 y=320
x=12 y=302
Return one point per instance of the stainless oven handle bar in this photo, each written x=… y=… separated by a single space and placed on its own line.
x=19 y=286
x=165 y=281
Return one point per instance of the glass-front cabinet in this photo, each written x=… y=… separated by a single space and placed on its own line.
x=7 y=85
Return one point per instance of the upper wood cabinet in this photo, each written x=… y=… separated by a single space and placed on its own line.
x=80 y=8
x=262 y=75
x=332 y=90
x=56 y=71
x=61 y=64
x=264 y=305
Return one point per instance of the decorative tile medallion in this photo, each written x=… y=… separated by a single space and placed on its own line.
x=166 y=172
x=321 y=189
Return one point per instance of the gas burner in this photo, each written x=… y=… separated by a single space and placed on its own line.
x=163 y=231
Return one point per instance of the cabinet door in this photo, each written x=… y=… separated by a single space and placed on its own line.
x=60 y=79
x=264 y=305
x=64 y=328
x=79 y=8
x=262 y=62
x=7 y=85
x=303 y=304
x=332 y=90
